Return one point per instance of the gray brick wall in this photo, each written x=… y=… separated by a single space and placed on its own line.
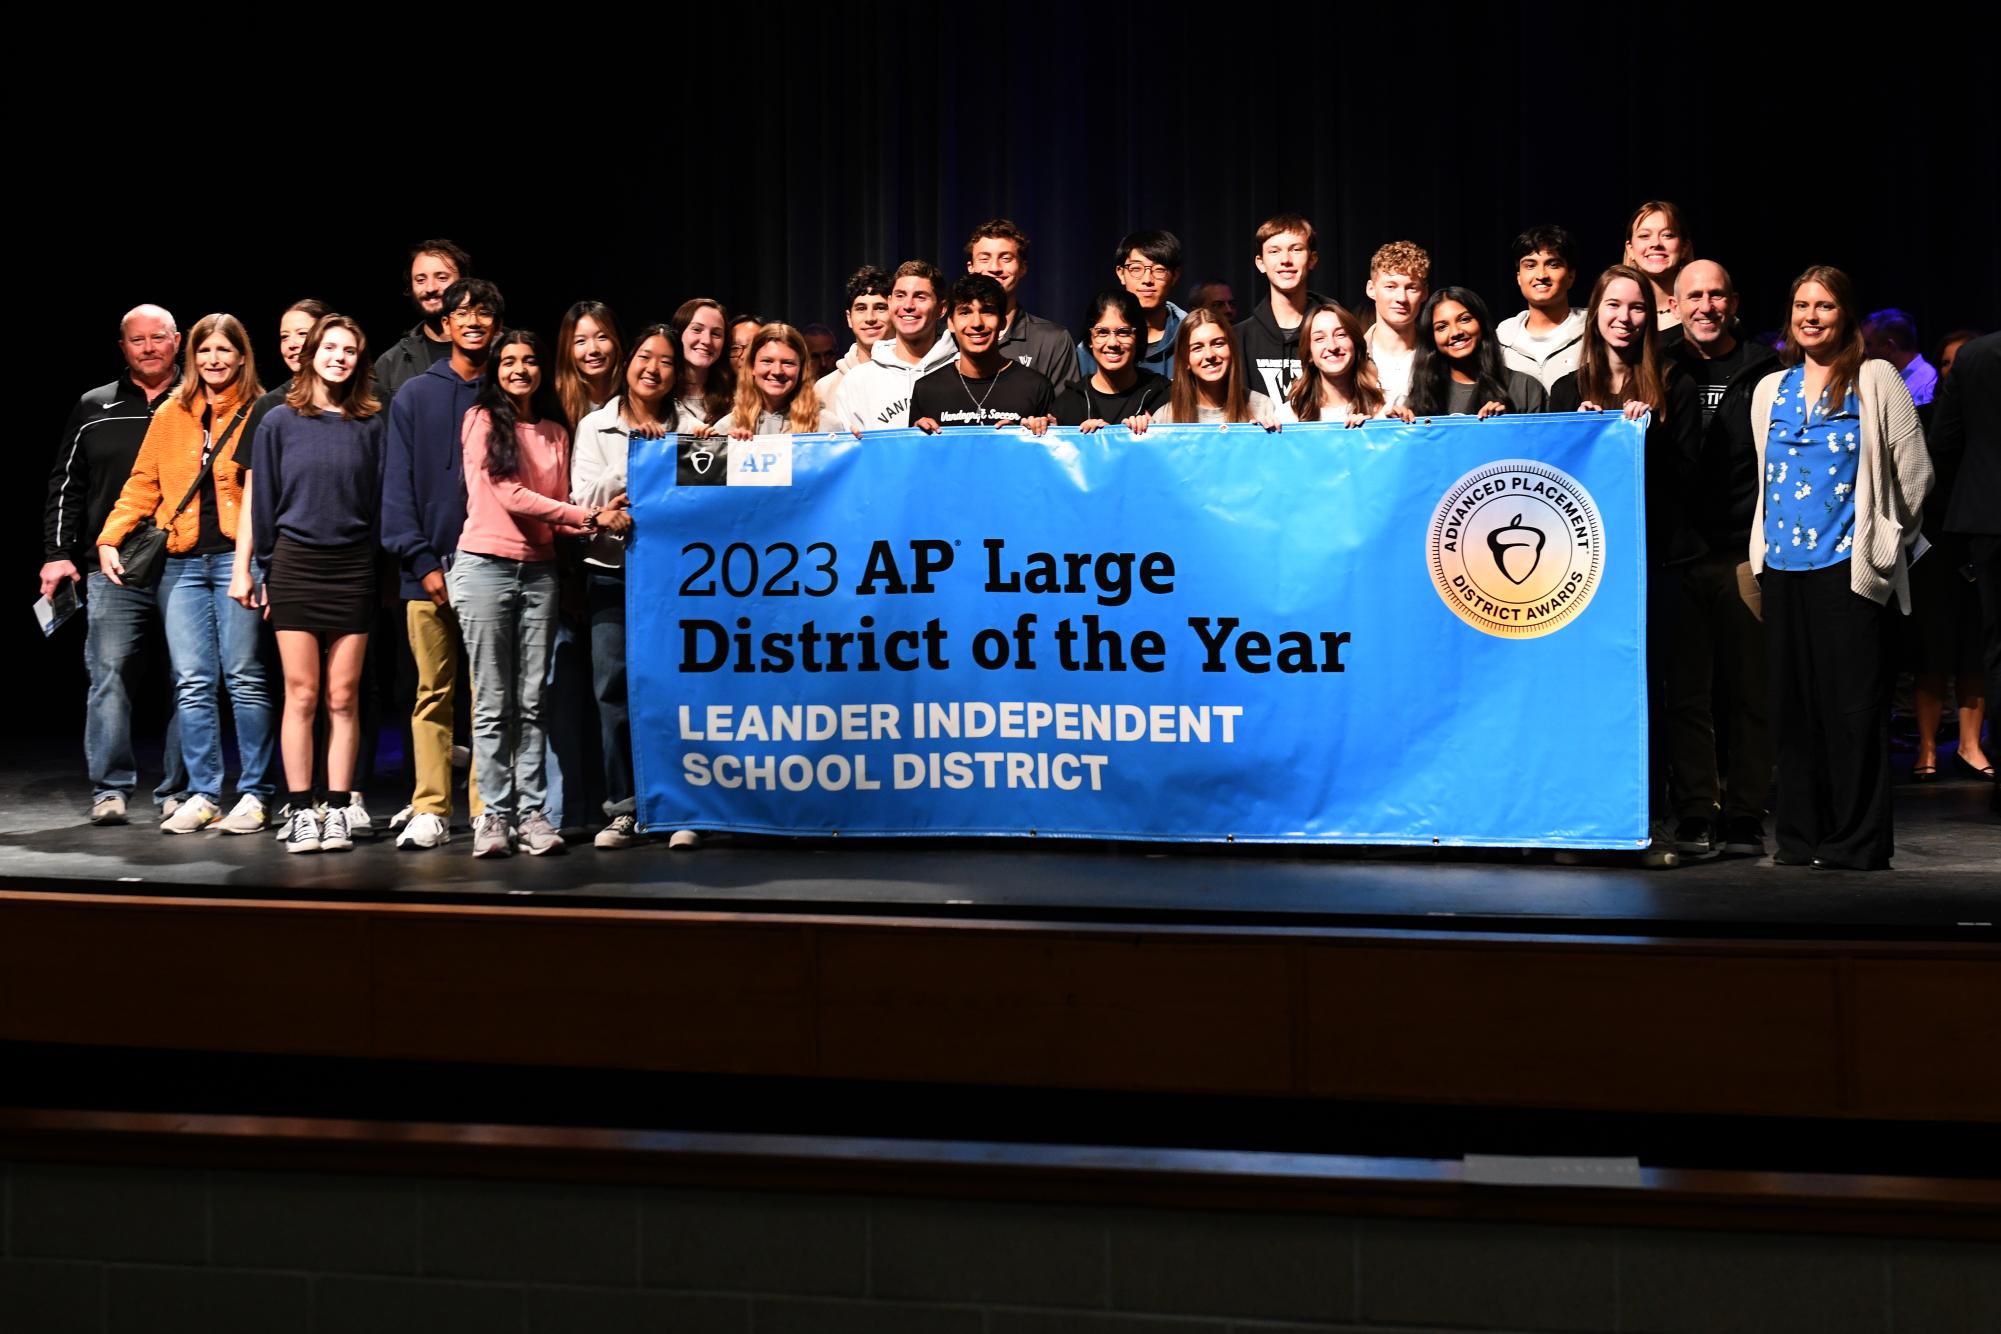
x=91 y=1250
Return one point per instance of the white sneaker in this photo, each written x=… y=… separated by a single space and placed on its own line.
x=401 y=818
x=682 y=839
x=424 y=831
x=246 y=817
x=335 y=835
x=490 y=836
x=108 y=809
x=359 y=825
x=622 y=832
x=302 y=831
x=192 y=816
x=170 y=805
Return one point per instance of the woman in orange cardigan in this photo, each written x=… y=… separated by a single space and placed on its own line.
x=210 y=638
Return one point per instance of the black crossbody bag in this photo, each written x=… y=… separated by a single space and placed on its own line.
x=144 y=550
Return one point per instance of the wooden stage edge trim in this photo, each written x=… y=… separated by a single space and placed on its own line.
x=1040 y=1173
x=1788 y=1027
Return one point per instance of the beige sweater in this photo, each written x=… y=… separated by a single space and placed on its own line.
x=1892 y=474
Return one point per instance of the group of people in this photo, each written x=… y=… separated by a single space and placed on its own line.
x=1786 y=493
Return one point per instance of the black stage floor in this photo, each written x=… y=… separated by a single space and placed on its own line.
x=1946 y=884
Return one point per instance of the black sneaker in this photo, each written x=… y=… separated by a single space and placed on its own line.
x=1694 y=838
x=1745 y=836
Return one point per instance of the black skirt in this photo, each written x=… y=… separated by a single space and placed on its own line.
x=322 y=590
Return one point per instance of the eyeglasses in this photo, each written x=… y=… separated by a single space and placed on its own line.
x=1119 y=335
x=467 y=314
x=1135 y=269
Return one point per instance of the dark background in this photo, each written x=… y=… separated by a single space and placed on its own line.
x=761 y=164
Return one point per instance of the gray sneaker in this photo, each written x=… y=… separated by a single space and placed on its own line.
x=490 y=836
x=622 y=832
x=538 y=836
x=246 y=817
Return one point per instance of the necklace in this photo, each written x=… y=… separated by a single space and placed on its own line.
x=981 y=403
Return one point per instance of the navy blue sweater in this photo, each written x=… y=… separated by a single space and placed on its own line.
x=318 y=480
x=423 y=478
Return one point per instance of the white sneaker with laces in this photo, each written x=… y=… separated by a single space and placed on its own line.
x=302 y=831
x=424 y=831
x=108 y=809
x=335 y=835
x=170 y=805
x=359 y=825
x=246 y=817
x=401 y=818
x=622 y=832
x=191 y=816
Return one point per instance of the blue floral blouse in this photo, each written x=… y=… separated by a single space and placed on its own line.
x=1810 y=464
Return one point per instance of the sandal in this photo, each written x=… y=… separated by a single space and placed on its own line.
x=1924 y=773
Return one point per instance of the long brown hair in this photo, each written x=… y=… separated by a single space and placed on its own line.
x=1847 y=368
x=354 y=396
x=1364 y=390
x=719 y=389
x=1646 y=376
x=802 y=412
x=578 y=395
x=1183 y=399
x=246 y=387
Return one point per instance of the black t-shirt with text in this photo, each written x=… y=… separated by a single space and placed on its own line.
x=1713 y=375
x=951 y=398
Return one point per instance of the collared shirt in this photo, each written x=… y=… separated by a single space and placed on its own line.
x=1810 y=467
x=1921 y=378
x=1042 y=346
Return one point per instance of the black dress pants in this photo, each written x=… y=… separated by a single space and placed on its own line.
x=1830 y=713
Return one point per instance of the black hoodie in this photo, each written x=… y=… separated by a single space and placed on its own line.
x=1271 y=354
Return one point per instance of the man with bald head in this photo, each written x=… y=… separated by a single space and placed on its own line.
x=95 y=457
x=1719 y=680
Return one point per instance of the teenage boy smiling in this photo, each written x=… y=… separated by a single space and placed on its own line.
x=1399 y=281
x=875 y=396
x=1546 y=339
x=999 y=249
x=982 y=386
x=1148 y=264
x=1287 y=252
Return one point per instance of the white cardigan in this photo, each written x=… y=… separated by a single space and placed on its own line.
x=1892 y=474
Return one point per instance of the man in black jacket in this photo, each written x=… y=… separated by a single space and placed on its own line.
x=1287 y=251
x=1720 y=630
x=1966 y=434
x=432 y=268
x=98 y=447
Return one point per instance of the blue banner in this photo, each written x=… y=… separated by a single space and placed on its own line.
x=1424 y=634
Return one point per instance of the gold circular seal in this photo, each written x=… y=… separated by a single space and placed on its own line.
x=1516 y=548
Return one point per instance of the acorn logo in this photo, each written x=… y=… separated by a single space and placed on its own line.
x=1516 y=549
x=698 y=462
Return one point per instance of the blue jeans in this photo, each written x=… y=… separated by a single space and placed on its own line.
x=507 y=613
x=116 y=620
x=215 y=642
x=605 y=595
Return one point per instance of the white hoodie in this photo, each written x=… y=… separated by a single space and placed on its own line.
x=1548 y=357
x=829 y=385
x=876 y=397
